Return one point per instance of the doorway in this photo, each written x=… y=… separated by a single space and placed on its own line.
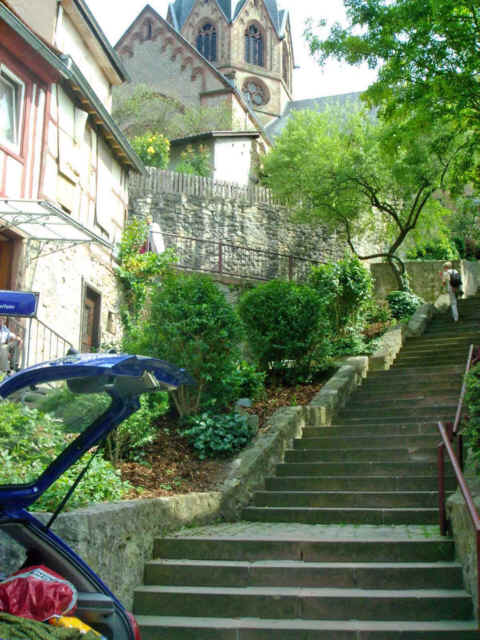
x=90 y=319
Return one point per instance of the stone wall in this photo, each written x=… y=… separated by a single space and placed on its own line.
x=424 y=278
x=238 y=222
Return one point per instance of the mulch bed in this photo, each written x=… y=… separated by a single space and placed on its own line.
x=171 y=466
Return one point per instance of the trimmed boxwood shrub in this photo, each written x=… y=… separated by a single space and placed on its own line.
x=403 y=304
x=287 y=327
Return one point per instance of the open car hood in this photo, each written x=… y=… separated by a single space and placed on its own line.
x=77 y=400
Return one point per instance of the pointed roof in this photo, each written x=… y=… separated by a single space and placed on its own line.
x=179 y=10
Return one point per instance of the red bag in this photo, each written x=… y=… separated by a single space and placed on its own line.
x=37 y=593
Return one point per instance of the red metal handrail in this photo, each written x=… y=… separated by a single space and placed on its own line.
x=472 y=511
x=448 y=434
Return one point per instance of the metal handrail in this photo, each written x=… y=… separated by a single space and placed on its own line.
x=218 y=256
x=448 y=434
x=472 y=511
x=39 y=342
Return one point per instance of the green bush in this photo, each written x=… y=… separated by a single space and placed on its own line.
x=441 y=249
x=378 y=312
x=153 y=149
x=403 y=304
x=29 y=442
x=243 y=381
x=286 y=327
x=346 y=288
x=128 y=440
x=190 y=324
x=471 y=427
x=214 y=436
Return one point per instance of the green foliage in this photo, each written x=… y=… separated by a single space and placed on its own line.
x=346 y=288
x=286 y=327
x=428 y=54
x=215 y=436
x=191 y=324
x=343 y=168
x=76 y=412
x=243 y=381
x=130 y=438
x=195 y=162
x=378 y=312
x=141 y=108
x=136 y=271
x=30 y=440
x=403 y=304
x=153 y=149
x=471 y=426
x=441 y=250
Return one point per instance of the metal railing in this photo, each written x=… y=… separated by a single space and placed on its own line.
x=217 y=256
x=448 y=433
x=39 y=342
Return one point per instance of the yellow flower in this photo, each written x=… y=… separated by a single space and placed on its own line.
x=150 y=150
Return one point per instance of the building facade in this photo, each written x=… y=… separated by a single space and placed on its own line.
x=64 y=169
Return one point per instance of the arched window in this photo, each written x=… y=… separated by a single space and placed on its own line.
x=254 y=46
x=207 y=42
x=255 y=93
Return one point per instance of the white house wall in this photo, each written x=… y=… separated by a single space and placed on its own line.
x=232 y=160
x=71 y=42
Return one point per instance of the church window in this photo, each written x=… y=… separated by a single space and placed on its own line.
x=149 y=30
x=255 y=94
x=207 y=42
x=254 y=46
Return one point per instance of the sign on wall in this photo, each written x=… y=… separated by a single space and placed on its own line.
x=18 y=303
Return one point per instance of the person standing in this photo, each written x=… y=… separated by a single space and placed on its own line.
x=7 y=340
x=452 y=281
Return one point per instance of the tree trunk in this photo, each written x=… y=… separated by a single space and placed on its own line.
x=399 y=272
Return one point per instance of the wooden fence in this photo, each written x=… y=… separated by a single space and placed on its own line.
x=165 y=181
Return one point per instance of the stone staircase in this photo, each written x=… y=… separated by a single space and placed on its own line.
x=343 y=542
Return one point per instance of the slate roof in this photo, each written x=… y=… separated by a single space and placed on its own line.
x=181 y=9
x=310 y=104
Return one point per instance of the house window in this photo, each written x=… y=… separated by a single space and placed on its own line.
x=254 y=46
x=255 y=93
x=207 y=42
x=12 y=93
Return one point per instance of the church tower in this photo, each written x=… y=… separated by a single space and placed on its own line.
x=249 y=41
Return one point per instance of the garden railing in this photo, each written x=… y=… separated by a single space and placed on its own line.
x=448 y=433
x=217 y=256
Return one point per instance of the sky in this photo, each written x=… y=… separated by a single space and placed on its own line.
x=310 y=81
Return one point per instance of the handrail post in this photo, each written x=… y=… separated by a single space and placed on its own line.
x=441 y=489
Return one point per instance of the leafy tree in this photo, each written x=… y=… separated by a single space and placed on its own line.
x=354 y=171
x=428 y=54
x=141 y=108
x=195 y=162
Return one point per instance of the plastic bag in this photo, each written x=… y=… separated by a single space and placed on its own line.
x=37 y=593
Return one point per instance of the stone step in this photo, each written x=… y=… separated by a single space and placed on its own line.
x=372 y=391
x=364 y=429
x=188 y=628
x=395 y=418
x=350 y=575
x=419 y=360
x=438 y=412
x=357 y=483
x=415 y=454
x=347 y=499
x=332 y=515
x=306 y=549
x=435 y=374
x=403 y=400
x=298 y=603
x=355 y=469
x=367 y=442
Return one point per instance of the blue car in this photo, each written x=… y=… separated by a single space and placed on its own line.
x=87 y=395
